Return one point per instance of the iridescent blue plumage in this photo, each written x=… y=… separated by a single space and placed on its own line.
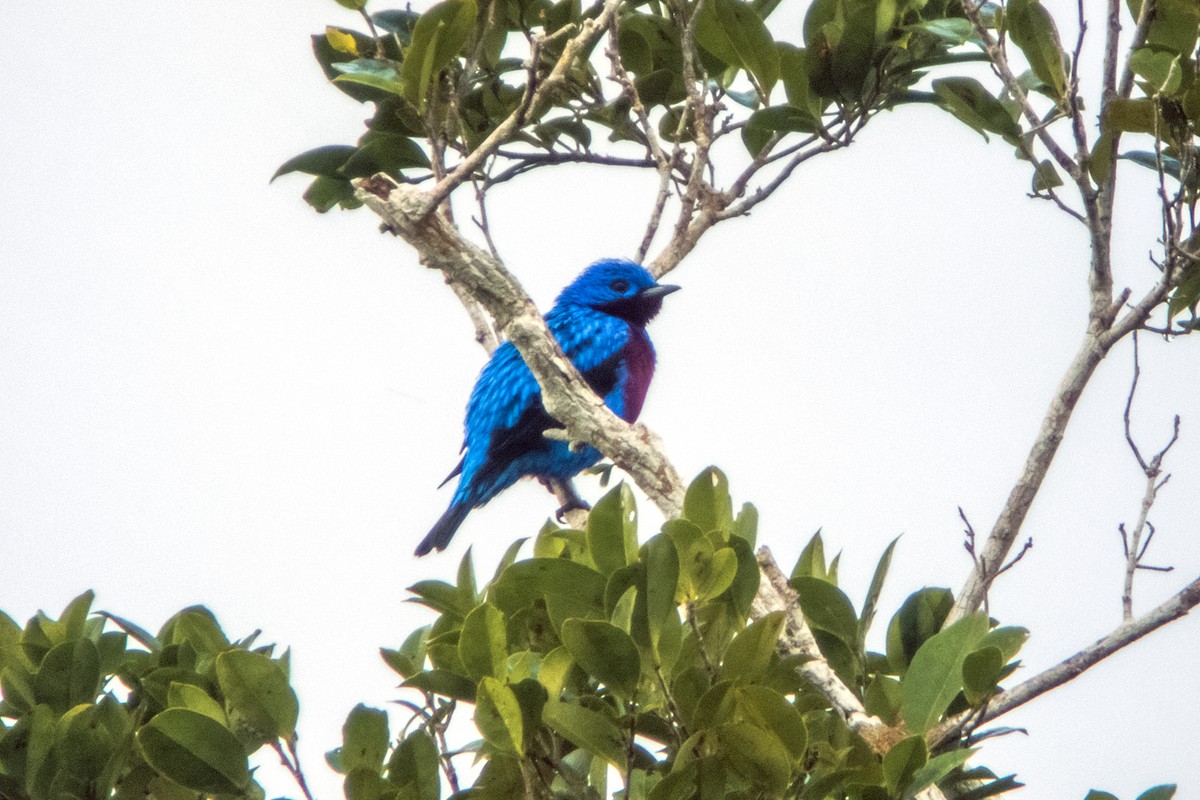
x=599 y=321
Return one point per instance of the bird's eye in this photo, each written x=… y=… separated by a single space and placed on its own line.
x=620 y=286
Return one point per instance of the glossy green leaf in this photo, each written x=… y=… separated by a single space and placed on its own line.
x=794 y=70
x=734 y=33
x=827 y=608
x=498 y=716
x=745 y=524
x=707 y=502
x=439 y=35
x=194 y=751
x=483 y=643
x=325 y=193
x=257 y=694
x=1046 y=177
x=967 y=99
x=612 y=530
x=390 y=154
x=1096 y=794
x=755 y=754
x=1032 y=29
x=713 y=577
x=811 y=563
x=747 y=577
x=871 y=602
x=656 y=601
x=766 y=122
x=981 y=671
x=605 y=652
x=750 y=652
x=1162 y=792
x=1174 y=26
x=1160 y=69
x=370 y=72
x=596 y=732
x=442 y=682
x=769 y=710
x=415 y=763
x=1009 y=640
x=68 y=675
x=937 y=768
x=920 y=616
x=364 y=738
x=935 y=675
x=883 y=698
x=902 y=761
x=536 y=578
x=189 y=696
x=953 y=31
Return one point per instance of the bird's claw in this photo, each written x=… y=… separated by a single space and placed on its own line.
x=575 y=505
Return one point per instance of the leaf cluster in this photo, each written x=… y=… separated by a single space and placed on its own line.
x=443 y=80
x=603 y=657
x=94 y=706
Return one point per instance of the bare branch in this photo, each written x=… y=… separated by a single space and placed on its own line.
x=1128 y=632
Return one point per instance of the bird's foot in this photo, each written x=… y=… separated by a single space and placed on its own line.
x=575 y=504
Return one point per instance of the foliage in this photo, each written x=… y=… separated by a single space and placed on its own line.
x=94 y=706
x=607 y=660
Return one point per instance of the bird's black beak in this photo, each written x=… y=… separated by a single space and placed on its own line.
x=658 y=290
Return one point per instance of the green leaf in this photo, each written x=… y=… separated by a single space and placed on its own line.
x=1046 y=176
x=876 y=588
x=1033 y=30
x=744 y=588
x=920 y=616
x=707 y=502
x=391 y=154
x=498 y=716
x=325 y=193
x=258 y=696
x=541 y=578
x=745 y=525
x=1162 y=792
x=766 y=122
x=370 y=72
x=1174 y=25
x=981 y=671
x=734 y=33
x=811 y=563
x=415 y=763
x=769 y=710
x=794 y=71
x=612 y=530
x=935 y=675
x=902 y=761
x=443 y=682
x=655 y=600
x=937 y=768
x=712 y=577
x=1160 y=69
x=189 y=696
x=755 y=754
x=483 y=643
x=439 y=35
x=194 y=751
x=967 y=99
x=68 y=675
x=595 y=732
x=1096 y=794
x=1009 y=640
x=953 y=31
x=605 y=652
x=364 y=739
x=750 y=652
x=827 y=608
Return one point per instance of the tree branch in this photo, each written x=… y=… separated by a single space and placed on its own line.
x=1128 y=632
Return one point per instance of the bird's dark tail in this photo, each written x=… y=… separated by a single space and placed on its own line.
x=444 y=529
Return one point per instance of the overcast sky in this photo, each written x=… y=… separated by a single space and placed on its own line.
x=210 y=394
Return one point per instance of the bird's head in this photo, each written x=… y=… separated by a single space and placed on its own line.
x=620 y=288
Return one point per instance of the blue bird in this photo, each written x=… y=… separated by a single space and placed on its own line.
x=599 y=321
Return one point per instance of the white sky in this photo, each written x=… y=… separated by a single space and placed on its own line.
x=210 y=394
